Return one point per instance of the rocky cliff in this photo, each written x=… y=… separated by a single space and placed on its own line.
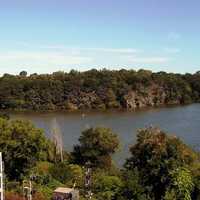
x=154 y=95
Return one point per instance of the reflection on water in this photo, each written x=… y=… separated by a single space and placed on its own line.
x=184 y=121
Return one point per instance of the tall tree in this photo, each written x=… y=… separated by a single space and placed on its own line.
x=22 y=145
x=155 y=156
x=96 y=146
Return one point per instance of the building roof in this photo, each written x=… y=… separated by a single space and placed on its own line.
x=64 y=190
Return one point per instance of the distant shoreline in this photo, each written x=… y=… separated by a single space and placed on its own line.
x=7 y=111
x=97 y=90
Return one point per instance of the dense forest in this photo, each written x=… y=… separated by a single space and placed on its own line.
x=97 y=90
x=160 y=166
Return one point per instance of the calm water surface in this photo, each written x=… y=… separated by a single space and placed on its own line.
x=183 y=121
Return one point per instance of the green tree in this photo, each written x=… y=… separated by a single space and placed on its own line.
x=22 y=145
x=96 y=146
x=155 y=155
x=95 y=89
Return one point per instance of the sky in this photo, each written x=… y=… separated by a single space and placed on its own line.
x=44 y=36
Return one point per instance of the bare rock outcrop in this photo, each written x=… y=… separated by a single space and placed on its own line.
x=145 y=97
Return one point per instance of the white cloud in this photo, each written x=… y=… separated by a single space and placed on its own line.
x=40 y=58
x=105 y=50
x=44 y=58
x=149 y=60
x=113 y=50
x=78 y=49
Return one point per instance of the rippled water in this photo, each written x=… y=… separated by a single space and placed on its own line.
x=183 y=121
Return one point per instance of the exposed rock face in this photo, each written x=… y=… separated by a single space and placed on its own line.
x=83 y=100
x=151 y=96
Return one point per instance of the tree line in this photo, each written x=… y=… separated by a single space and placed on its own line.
x=95 y=89
x=160 y=166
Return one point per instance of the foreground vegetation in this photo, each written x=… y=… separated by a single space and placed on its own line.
x=160 y=167
x=97 y=90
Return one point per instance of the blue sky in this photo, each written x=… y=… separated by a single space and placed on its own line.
x=51 y=35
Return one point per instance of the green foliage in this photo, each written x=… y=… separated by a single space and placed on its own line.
x=22 y=145
x=133 y=189
x=67 y=174
x=94 y=89
x=170 y=195
x=44 y=182
x=155 y=156
x=96 y=146
x=182 y=183
x=107 y=187
x=42 y=172
x=160 y=167
x=48 y=191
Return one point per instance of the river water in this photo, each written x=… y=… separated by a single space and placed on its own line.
x=182 y=121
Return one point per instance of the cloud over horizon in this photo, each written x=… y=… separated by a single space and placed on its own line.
x=40 y=58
